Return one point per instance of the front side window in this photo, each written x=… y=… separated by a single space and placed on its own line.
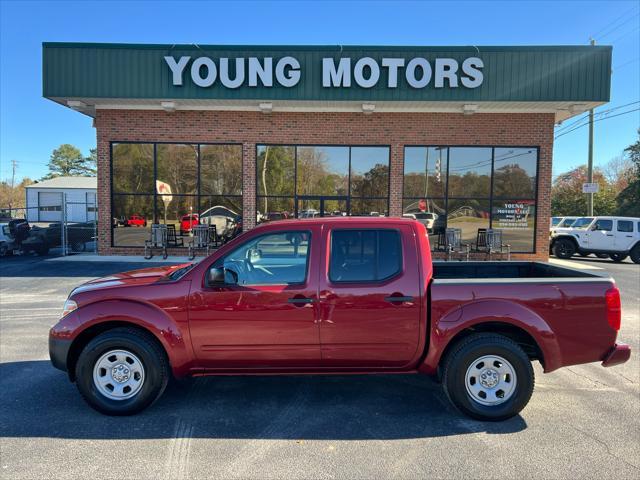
x=625 y=226
x=273 y=259
x=364 y=255
x=604 y=225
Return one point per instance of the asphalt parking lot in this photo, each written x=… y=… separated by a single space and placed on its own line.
x=582 y=422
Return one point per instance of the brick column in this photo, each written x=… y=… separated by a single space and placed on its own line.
x=396 y=174
x=248 y=185
x=103 y=196
x=543 y=208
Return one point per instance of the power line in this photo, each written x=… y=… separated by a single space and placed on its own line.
x=625 y=34
x=619 y=66
x=598 y=120
x=608 y=25
x=563 y=128
x=619 y=26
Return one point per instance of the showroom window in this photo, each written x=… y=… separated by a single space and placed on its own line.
x=473 y=188
x=173 y=183
x=309 y=181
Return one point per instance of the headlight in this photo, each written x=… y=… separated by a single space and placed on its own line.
x=69 y=306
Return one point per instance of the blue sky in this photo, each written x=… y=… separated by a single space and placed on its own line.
x=31 y=127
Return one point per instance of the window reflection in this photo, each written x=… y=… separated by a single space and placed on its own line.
x=369 y=171
x=469 y=172
x=425 y=171
x=132 y=164
x=220 y=169
x=178 y=167
x=468 y=215
x=514 y=172
x=322 y=170
x=275 y=170
x=516 y=218
x=132 y=219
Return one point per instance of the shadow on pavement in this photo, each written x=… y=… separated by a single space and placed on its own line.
x=39 y=401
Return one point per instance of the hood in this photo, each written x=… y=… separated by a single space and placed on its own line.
x=144 y=276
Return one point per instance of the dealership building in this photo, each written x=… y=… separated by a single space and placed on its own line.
x=276 y=132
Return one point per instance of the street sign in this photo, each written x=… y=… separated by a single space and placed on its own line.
x=590 y=188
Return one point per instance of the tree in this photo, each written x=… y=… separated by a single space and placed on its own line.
x=13 y=197
x=629 y=199
x=567 y=197
x=68 y=160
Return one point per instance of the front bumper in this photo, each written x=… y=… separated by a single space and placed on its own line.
x=58 y=351
x=618 y=354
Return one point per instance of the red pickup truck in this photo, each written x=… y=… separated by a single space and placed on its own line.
x=336 y=295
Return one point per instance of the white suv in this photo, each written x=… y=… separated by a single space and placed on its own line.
x=617 y=237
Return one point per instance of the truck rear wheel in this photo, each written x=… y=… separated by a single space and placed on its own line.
x=564 y=248
x=122 y=371
x=488 y=377
x=618 y=257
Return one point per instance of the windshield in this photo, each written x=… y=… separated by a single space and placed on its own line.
x=555 y=221
x=582 y=223
x=566 y=222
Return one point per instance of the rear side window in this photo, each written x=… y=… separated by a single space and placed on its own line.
x=625 y=226
x=364 y=255
x=606 y=225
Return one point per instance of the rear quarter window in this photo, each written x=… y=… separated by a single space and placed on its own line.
x=625 y=226
x=364 y=255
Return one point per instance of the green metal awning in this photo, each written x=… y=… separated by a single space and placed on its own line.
x=566 y=80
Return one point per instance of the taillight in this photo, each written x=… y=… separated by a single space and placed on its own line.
x=614 y=310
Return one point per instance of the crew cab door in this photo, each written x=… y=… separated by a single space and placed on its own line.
x=264 y=312
x=369 y=297
x=601 y=236
x=625 y=236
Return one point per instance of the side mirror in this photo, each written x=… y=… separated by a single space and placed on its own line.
x=215 y=276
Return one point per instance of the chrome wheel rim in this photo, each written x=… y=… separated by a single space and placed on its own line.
x=490 y=380
x=118 y=374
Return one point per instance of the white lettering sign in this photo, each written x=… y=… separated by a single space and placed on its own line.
x=366 y=72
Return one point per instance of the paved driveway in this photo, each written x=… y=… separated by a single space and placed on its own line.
x=582 y=422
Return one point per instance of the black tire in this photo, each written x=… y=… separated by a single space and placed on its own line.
x=142 y=345
x=564 y=248
x=618 y=257
x=602 y=255
x=464 y=355
x=635 y=254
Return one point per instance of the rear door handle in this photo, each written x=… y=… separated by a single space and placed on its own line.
x=300 y=300
x=398 y=299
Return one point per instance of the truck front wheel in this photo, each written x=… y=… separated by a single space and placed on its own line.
x=122 y=371
x=488 y=377
x=564 y=248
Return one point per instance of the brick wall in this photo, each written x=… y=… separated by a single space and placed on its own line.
x=394 y=129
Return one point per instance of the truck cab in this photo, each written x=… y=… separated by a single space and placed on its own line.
x=617 y=237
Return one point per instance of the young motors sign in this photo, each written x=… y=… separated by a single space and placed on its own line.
x=365 y=72
x=111 y=74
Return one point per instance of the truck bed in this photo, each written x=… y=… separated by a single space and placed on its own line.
x=513 y=271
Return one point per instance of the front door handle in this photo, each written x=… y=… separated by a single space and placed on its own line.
x=398 y=299
x=608 y=235
x=300 y=300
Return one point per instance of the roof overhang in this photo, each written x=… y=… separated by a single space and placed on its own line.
x=561 y=110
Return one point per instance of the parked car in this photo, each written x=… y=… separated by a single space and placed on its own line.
x=136 y=221
x=336 y=295
x=617 y=237
x=271 y=216
x=426 y=218
x=187 y=222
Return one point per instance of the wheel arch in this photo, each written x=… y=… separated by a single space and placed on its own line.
x=503 y=317
x=92 y=321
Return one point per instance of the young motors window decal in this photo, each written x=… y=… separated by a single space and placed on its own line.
x=365 y=72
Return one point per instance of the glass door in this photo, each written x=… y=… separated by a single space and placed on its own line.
x=321 y=206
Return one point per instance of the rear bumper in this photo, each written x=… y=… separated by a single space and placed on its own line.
x=618 y=354
x=58 y=351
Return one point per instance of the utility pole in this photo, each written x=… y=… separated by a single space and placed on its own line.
x=590 y=161
x=14 y=165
